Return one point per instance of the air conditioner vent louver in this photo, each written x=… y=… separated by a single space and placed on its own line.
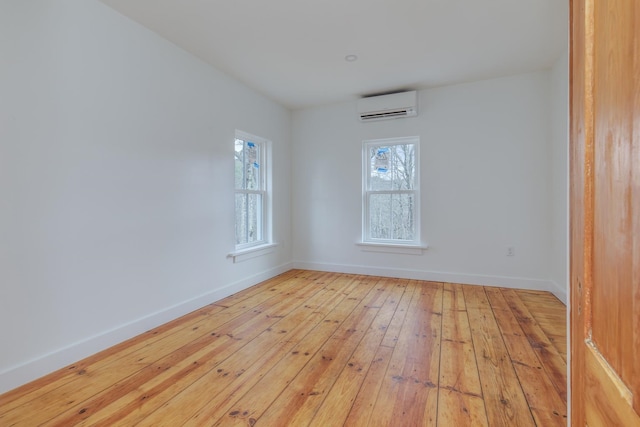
x=393 y=106
x=399 y=113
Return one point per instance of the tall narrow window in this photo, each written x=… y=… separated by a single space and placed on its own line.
x=251 y=191
x=391 y=196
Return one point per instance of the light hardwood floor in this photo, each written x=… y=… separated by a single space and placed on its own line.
x=324 y=349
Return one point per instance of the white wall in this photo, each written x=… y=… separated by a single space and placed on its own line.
x=116 y=177
x=558 y=157
x=485 y=180
x=116 y=174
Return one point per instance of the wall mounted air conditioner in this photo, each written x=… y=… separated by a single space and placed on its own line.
x=392 y=106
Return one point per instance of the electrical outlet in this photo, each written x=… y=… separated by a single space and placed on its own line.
x=511 y=251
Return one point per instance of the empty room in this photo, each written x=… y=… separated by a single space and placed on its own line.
x=315 y=213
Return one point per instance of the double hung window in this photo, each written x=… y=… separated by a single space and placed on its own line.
x=251 y=215
x=391 y=196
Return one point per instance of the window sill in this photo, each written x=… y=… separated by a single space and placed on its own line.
x=393 y=248
x=252 y=252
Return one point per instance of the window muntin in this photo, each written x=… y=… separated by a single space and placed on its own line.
x=250 y=191
x=390 y=191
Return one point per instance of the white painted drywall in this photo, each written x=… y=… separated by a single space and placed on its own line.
x=485 y=184
x=558 y=156
x=116 y=177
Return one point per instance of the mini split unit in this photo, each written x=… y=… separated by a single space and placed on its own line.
x=392 y=106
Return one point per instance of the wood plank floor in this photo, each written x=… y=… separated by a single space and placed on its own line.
x=324 y=349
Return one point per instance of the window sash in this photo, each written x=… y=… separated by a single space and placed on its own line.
x=389 y=169
x=392 y=225
x=249 y=222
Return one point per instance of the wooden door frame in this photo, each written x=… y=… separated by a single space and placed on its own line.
x=580 y=201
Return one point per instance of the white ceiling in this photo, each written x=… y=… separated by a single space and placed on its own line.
x=293 y=50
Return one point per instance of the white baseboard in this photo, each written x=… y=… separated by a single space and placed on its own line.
x=36 y=368
x=559 y=291
x=439 y=276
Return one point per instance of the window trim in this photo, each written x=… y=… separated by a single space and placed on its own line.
x=372 y=244
x=264 y=223
x=393 y=248
x=252 y=252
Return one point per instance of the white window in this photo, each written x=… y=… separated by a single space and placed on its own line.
x=251 y=204
x=391 y=193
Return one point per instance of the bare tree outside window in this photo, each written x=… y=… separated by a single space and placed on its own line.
x=391 y=191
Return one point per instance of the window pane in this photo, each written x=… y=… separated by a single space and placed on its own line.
x=380 y=216
x=254 y=210
x=239 y=163
x=247 y=165
x=253 y=166
x=403 y=208
x=392 y=167
x=241 y=219
x=391 y=216
x=248 y=218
